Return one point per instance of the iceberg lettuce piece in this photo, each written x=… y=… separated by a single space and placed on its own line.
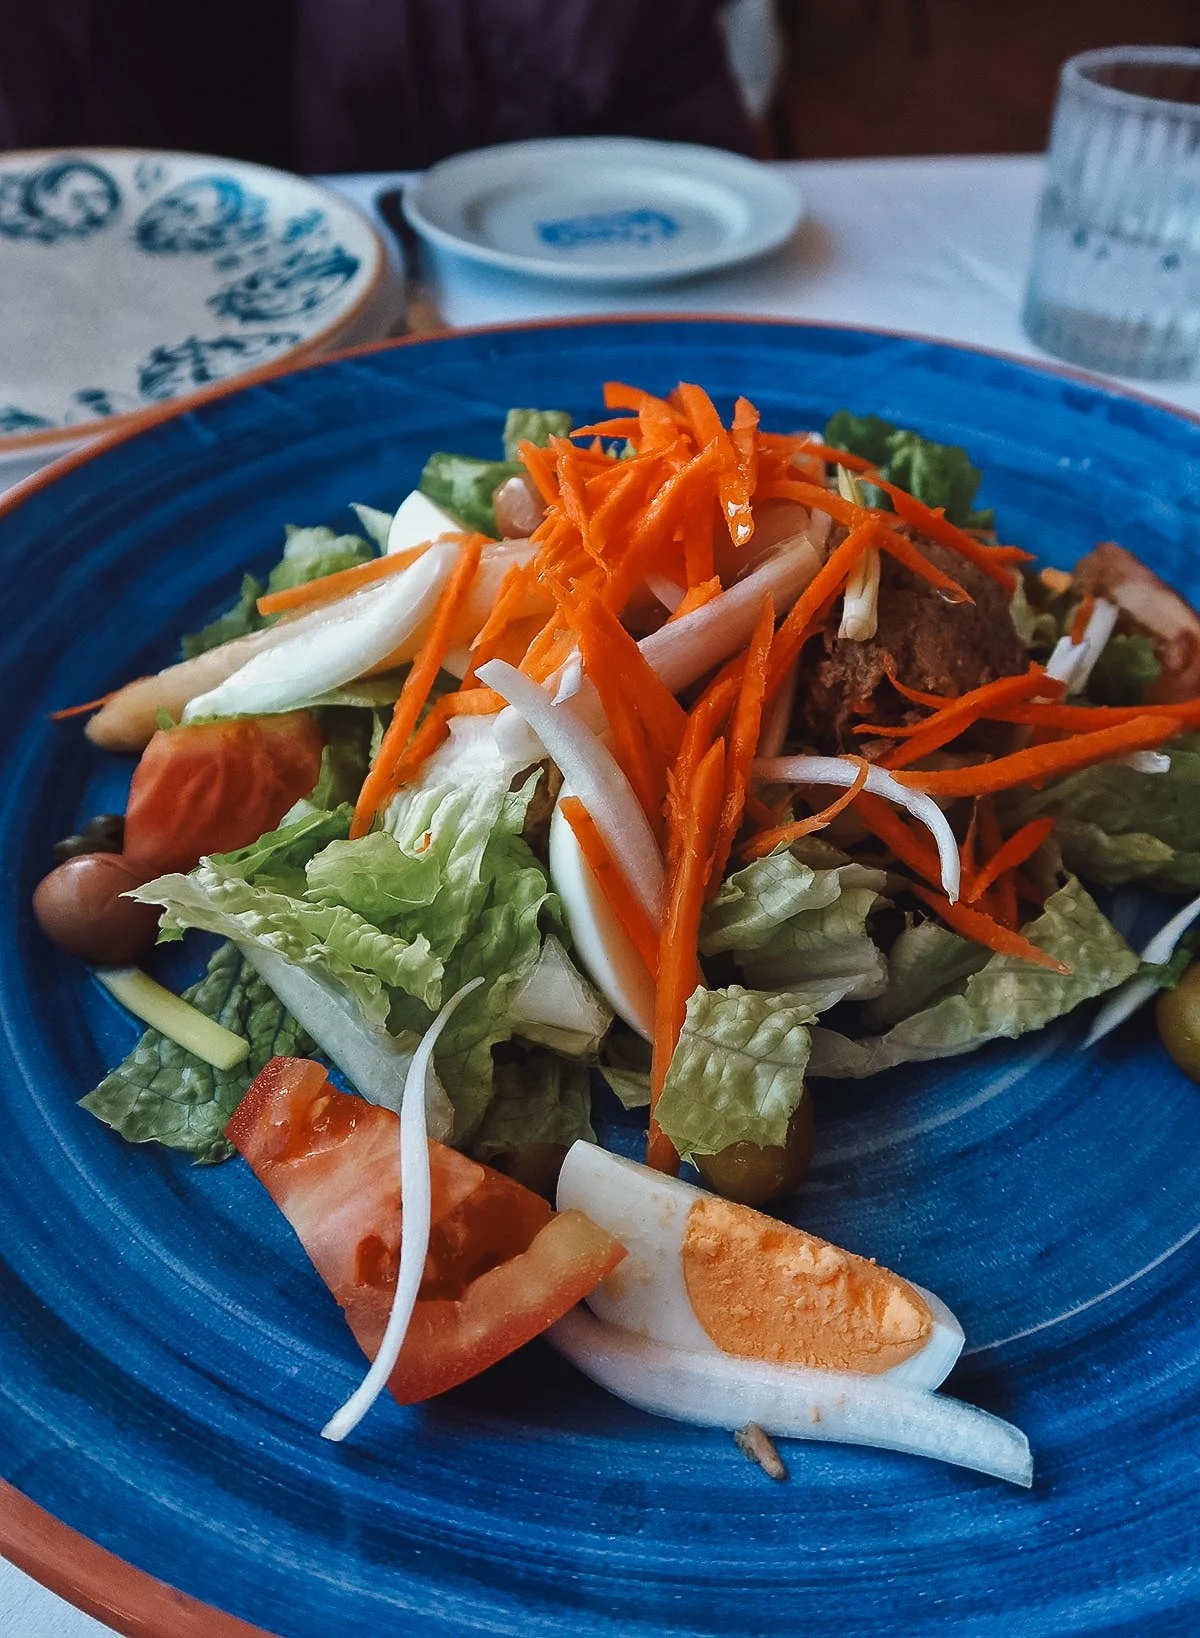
x=1006 y=997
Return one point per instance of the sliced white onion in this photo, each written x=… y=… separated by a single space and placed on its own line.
x=594 y=774
x=836 y=770
x=1135 y=992
x=860 y=605
x=1147 y=762
x=414 y=1225
x=416 y=521
x=684 y=649
x=353 y=636
x=791 y=1402
x=777 y=717
x=668 y=593
x=1072 y=663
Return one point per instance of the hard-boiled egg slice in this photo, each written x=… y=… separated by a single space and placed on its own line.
x=416 y=520
x=709 y=1276
x=605 y=950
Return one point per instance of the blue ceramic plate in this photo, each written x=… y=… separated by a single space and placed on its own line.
x=166 y=1353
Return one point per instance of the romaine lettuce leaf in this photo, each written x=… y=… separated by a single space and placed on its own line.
x=464 y=487
x=937 y=474
x=161 y=1093
x=538 y=1098
x=926 y=963
x=737 y=1074
x=1116 y=825
x=793 y=928
x=533 y=426
x=1005 y=998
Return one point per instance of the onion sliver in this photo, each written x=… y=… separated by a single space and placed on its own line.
x=353 y=635
x=684 y=649
x=1135 y=992
x=1072 y=663
x=789 y=1401
x=414 y=1225
x=595 y=776
x=836 y=770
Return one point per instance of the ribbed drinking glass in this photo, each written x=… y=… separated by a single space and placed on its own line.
x=1115 y=280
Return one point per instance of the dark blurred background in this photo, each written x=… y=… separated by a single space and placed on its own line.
x=339 y=85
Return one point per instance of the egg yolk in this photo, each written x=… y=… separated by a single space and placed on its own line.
x=763 y=1290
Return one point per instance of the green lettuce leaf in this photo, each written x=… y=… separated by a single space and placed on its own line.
x=376 y=524
x=938 y=474
x=737 y=1074
x=1127 y=667
x=162 y=1094
x=1006 y=997
x=793 y=928
x=237 y=621
x=538 y=1097
x=926 y=963
x=464 y=487
x=1116 y=825
x=533 y=426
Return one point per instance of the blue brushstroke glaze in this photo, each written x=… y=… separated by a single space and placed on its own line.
x=204 y=214
x=298 y=283
x=167 y=1355
x=66 y=199
x=13 y=419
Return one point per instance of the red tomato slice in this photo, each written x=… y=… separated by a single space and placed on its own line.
x=501 y=1266
x=210 y=787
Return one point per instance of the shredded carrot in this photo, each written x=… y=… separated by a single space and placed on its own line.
x=766 y=841
x=80 y=710
x=694 y=807
x=610 y=878
x=1040 y=762
x=656 y=526
x=698 y=541
x=617 y=426
x=1003 y=905
x=819 y=499
x=380 y=783
x=327 y=587
x=743 y=434
x=903 y=550
x=981 y=929
x=839 y=457
x=933 y=522
x=465 y=702
x=952 y=720
x=743 y=740
x=733 y=492
x=696 y=597
x=882 y=820
x=1082 y=615
x=1082 y=718
x=541 y=467
x=1019 y=847
x=829 y=580
x=611 y=650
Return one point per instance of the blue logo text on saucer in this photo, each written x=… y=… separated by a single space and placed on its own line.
x=613 y=227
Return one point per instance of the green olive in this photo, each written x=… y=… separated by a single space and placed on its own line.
x=753 y=1174
x=1177 y=1014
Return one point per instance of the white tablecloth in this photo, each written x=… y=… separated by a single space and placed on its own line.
x=935 y=246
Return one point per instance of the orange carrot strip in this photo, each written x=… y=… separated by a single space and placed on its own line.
x=342 y=582
x=1083 y=718
x=766 y=841
x=610 y=878
x=79 y=710
x=914 y=559
x=624 y=498
x=1004 y=897
x=743 y=740
x=882 y=820
x=1039 y=762
x=617 y=395
x=838 y=457
x=514 y=588
x=820 y=499
x=1020 y=846
x=698 y=541
x=467 y=702
x=828 y=581
x=1082 y=615
x=743 y=434
x=380 y=783
x=611 y=649
x=693 y=813
x=934 y=523
x=981 y=929
x=657 y=525
x=617 y=426
x=696 y=597
x=733 y=492
x=540 y=465
x=953 y=720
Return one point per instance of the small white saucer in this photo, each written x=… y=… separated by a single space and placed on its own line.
x=129 y=278
x=604 y=210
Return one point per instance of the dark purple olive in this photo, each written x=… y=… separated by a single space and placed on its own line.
x=79 y=907
x=105 y=833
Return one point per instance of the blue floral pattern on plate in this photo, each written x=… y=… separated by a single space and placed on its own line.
x=299 y=283
x=613 y=227
x=65 y=199
x=258 y=263
x=201 y=215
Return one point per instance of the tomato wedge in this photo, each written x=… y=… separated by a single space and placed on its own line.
x=209 y=787
x=502 y=1265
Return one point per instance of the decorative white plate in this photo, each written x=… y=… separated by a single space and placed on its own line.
x=129 y=278
x=604 y=210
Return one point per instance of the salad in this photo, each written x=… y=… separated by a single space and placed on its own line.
x=696 y=758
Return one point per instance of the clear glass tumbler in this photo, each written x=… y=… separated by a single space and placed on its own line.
x=1115 y=280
